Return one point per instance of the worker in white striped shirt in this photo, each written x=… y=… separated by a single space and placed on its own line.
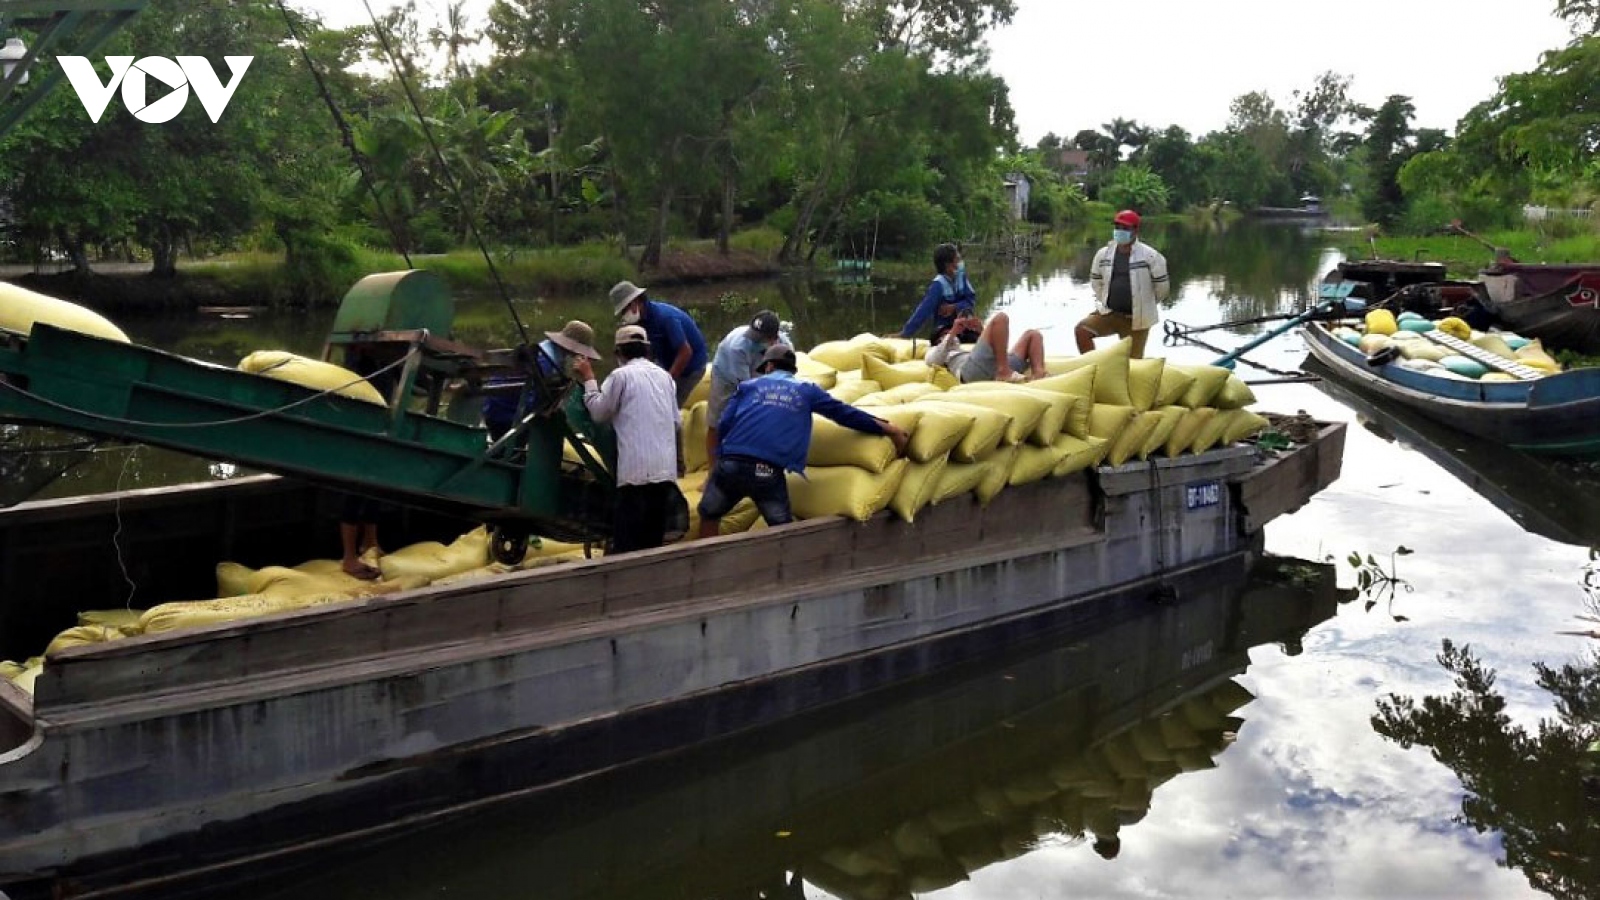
x=639 y=399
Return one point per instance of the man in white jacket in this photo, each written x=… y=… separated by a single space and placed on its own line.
x=1129 y=278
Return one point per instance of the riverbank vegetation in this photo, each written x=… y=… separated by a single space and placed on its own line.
x=579 y=142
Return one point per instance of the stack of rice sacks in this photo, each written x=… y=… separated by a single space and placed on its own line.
x=1382 y=329
x=980 y=438
x=246 y=593
x=1092 y=793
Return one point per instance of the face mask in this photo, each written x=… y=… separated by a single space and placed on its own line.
x=961 y=269
x=631 y=317
x=1122 y=236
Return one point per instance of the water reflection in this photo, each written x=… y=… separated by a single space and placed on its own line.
x=1066 y=747
x=1539 y=788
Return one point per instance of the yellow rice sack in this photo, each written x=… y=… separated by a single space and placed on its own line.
x=1244 y=426
x=124 y=620
x=695 y=426
x=1079 y=382
x=1455 y=327
x=740 y=519
x=987 y=430
x=694 y=481
x=844 y=491
x=1025 y=408
x=10 y=670
x=916 y=488
x=1498 y=376
x=1235 y=394
x=312 y=373
x=431 y=559
x=959 y=478
x=233 y=579
x=1034 y=464
x=83 y=636
x=934 y=431
x=1495 y=344
x=1131 y=440
x=197 y=613
x=943 y=378
x=905 y=393
x=905 y=349
x=1175 y=382
x=21 y=309
x=833 y=444
x=702 y=389
x=1188 y=429
x=1062 y=407
x=1381 y=321
x=1077 y=454
x=819 y=373
x=1171 y=416
x=1107 y=420
x=1211 y=434
x=28 y=677
x=1111 y=381
x=853 y=390
x=1144 y=381
x=840 y=355
x=693 y=498
x=872 y=345
x=1424 y=350
x=1208 y=380
x=999 y=475
x=892 y=376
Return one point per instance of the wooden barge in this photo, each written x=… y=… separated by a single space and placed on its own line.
x=211 y=748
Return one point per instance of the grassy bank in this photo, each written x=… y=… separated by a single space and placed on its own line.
x=264 y=279
x=1464 y=256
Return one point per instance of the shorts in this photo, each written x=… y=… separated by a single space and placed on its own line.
x=721 y=393
x=1106 y=324
x=738 y=477
x=981 y=365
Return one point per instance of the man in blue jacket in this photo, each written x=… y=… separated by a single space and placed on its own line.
x=765 y=432
x=949 y=297
x=676 y=343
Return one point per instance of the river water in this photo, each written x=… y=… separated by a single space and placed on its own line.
x=974 y=787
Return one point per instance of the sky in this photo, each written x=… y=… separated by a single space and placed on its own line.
x=1073 y=64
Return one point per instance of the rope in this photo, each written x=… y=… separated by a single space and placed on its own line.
x=349 y=141
x=266 y=413
x=444 y=168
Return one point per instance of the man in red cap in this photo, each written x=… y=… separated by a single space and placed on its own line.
x=1130 y=281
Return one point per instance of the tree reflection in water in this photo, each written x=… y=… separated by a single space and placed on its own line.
x=1538 y=789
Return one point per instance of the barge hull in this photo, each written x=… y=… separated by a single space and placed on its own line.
x=151 y=739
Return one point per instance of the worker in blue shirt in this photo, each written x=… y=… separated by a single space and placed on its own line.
x=950 y=296
x=765 y=432
x=676 y=343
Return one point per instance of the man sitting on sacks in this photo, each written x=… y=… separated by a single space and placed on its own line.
x=989 y=360
x=765 y=432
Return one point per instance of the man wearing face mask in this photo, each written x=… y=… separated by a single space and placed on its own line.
x=676 y=343
x=950 y=296
x=555 y=361
x=735 y=362
x=1130 y=280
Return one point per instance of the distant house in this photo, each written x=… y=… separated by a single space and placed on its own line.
x=1018 y=188
x=1073 y=164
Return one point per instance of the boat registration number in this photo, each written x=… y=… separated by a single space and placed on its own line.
x=1199 y=496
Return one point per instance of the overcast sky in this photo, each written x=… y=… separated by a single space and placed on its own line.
x=1073 y=64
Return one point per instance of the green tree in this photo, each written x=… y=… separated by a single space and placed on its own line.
x=1388 y=147
x=1136 y=187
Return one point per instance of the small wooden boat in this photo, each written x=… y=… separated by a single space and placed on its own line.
x=1554 y=415
x=1557 y=304
x=1548 y=496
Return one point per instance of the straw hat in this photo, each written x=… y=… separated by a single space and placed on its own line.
x=575 y=337
x=624 y=293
